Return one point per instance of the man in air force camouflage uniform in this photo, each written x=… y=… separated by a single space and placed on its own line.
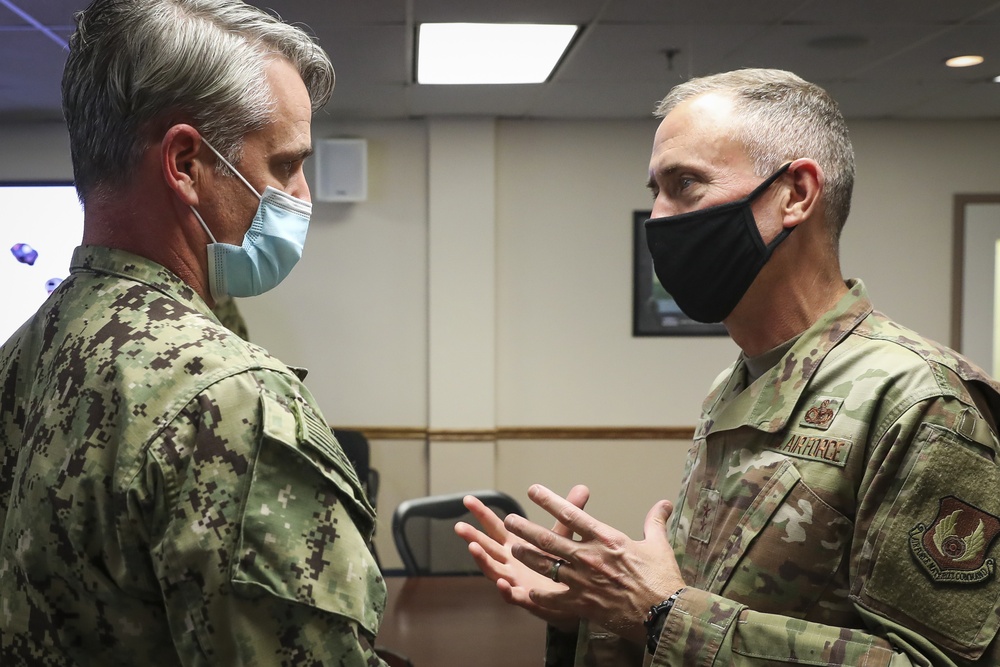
x=841 y=500
x=169 y=493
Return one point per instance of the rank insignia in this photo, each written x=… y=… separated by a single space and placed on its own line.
x=954 y=548
x=704 y=515
x=821 y=413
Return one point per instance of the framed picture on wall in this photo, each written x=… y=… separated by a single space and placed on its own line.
x=654 y=311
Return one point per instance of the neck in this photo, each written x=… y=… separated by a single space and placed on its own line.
x=782 y=303
x=152 y=226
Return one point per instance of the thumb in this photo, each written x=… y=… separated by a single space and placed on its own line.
x=655 y=527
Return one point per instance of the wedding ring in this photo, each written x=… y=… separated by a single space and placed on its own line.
x=554 y=572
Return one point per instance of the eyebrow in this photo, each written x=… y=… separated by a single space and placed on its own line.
x=667 y=172
x=294 y=156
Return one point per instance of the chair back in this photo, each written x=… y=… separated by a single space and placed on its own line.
x=423 y=529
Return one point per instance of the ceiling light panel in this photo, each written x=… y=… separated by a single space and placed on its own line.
x=489 y=53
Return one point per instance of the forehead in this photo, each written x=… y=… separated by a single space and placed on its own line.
x=699 y=130
x=292 y=114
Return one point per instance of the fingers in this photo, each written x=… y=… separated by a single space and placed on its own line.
x=522 y=597
x=491 y=523
x=535 y=560
x=515 y=595
x=494 y=569
x=472 y=535
x=578 y=495
x=568 y=514
x=541 y=538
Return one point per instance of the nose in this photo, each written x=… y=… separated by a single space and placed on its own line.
x=300 y=188
x=662 y=207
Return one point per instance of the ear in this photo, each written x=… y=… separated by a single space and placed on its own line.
x=803 y=198
x=183 y=161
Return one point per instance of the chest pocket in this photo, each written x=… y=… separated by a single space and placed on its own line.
x=782 y=554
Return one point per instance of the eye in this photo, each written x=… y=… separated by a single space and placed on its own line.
x=288 y=169
x=684 y=186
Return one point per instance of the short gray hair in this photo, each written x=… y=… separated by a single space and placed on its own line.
x=782 y=118
x=136 y=67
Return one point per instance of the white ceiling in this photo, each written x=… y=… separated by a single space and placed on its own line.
x=617 y=68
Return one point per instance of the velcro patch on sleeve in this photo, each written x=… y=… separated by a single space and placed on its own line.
x=934 y=562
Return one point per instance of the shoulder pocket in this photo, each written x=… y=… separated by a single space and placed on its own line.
x=935 y=562
x=328 y=456
x=304 y=531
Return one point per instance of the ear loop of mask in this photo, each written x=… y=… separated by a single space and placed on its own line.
x=232 y=168
x=203 y=225
x=238 y=175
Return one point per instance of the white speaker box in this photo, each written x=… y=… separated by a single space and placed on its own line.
x=341 y=170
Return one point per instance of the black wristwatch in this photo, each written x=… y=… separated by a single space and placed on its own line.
x=655 y=618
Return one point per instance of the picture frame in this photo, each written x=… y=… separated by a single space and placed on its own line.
x=654 y=311
x=975 y=318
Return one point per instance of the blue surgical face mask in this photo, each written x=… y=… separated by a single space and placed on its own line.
x=271 y=247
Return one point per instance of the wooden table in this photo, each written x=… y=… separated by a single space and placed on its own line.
x=458 y=622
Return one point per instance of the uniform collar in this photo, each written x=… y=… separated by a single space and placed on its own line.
x=769 y=401
x=115 y=262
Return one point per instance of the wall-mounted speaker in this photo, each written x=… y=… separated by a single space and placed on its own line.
x=341 y=170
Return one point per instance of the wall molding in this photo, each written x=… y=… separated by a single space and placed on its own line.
x=527 y=433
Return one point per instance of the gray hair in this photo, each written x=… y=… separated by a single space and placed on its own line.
x=781 y=118
x=136 y=67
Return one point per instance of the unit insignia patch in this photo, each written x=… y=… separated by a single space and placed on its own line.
x=954 y=548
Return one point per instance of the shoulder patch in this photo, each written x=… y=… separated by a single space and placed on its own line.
x=955 y=546
x=821 y=413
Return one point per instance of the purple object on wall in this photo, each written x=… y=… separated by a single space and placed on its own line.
x=24 y=253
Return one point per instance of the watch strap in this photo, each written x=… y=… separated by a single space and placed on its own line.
x=655 y=618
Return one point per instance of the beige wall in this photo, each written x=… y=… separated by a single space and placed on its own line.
x=898 y=237
x=356 y=310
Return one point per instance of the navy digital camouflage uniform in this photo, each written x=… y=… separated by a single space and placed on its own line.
x=229 y=315
x=842 y=509
x=169 y=493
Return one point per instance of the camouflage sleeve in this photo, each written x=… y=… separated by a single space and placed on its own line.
x=589 y=645
x=255 y=538
x=922 y=563
x=229 y=315
x=706 y=630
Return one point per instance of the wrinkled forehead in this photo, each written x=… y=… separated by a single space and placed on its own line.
x=703 y=129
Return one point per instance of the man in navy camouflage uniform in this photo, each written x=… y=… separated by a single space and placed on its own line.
x=169 y=493
x=841 y=500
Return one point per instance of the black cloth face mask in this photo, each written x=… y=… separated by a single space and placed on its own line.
x=707 y=259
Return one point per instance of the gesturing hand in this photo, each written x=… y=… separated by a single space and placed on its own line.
x=608 y=578
x=492 y=551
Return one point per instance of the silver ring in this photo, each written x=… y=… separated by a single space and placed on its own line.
x=554 y=572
